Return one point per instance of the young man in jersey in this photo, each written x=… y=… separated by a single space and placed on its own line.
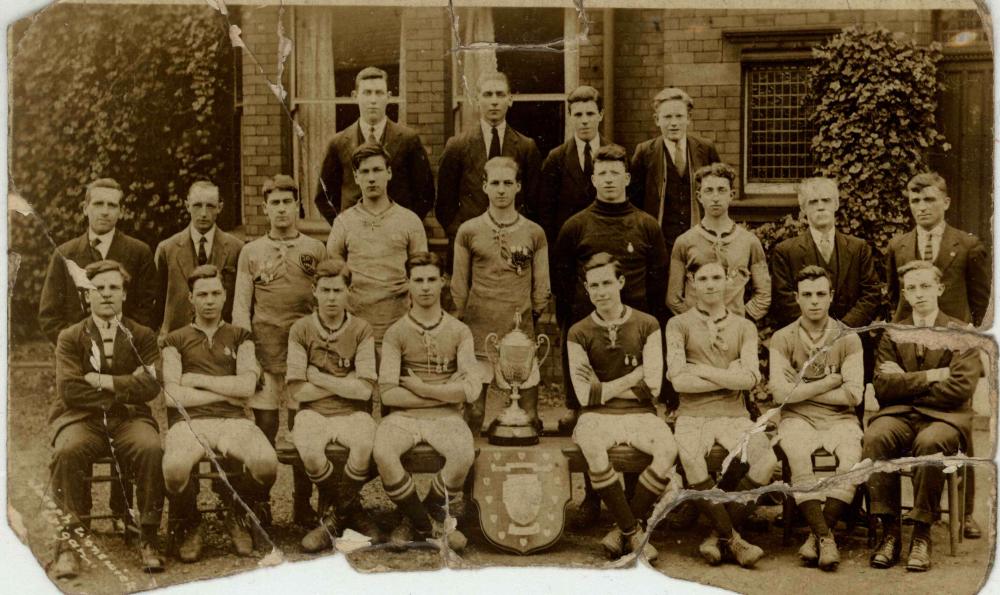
x=210 y=370
x=331 y=373
x=274 y=289
x=428 y=371
x=616 y=364
x=817 y=376
x=501 y=272
x=712 y=362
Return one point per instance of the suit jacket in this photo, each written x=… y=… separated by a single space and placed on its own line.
x=857 y=290
x=76 y=400
x=564 y=190
x=949 y=401
x=60 y=304
x=460 y=176
x=966 y=273
x=412 y=183
x=175 y=258
x=649 y=174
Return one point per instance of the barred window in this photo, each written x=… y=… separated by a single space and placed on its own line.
x=956 y=28
x=777 y=135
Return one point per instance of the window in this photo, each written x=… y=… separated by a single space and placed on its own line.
x=333 y=44
x=958 y=28
x=777 y=135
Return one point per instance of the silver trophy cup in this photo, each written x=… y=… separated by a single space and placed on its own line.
x=513 y=358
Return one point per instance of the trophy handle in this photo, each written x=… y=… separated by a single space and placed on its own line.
x=548 y=347
x=494 y=353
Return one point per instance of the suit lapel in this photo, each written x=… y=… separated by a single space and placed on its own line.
x=116 y=251
x=932 y=357
x=184 y=254
x=391 y=138
x=573 y=161
x=84 y=254
x=948 y=248
x=660 y=167
x=476 y=148
x=908 y=351
x=908 y=247
x=510 y=142
x=843 y=258
x=807 y=250
x=220 y=252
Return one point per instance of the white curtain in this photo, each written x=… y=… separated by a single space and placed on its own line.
x=475 y=58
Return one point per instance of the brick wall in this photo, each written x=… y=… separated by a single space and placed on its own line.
x=592 y=51
x=262 y=153
x=639 y=72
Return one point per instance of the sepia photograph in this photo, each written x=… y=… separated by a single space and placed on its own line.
x=693 y=295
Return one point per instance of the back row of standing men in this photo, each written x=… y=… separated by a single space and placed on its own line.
x=501 y=258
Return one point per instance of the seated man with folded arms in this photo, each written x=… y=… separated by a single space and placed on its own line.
x=210 y=370
x=428 y=372
x=817 y=376
x=712 y=362
x=925 y=394
x=616 y=366
x=331 y=374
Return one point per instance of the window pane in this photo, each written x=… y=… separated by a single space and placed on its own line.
x=365 y=37
x=530 y=71
x=541 y=120
x=778 y=134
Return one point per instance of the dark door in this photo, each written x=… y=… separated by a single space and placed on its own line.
x=965 y=116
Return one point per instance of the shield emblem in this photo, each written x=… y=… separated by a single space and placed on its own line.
x=521 y=494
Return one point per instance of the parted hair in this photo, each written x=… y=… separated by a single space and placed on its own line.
x=809 y=185
x=368 y=150
x=101 y=183
x=370 y=73
x=202 y=185
x=919 y=265
x=498 y=162
x=925 y=179
x=612 y=153
x=696 y=262
x=585 y=93
x=420 y=259
x=280 y=182
x=602 y=259
x=812 y=271
x=672 y=94
x=718 y=170
x=106 y=266
x=205 y=271
x=333 y=267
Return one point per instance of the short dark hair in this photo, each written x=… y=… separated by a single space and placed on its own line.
x=718 y=170
x=812 y=271
x=602 y=259
x=672 y=94
x=205 y=271
x=919 y=265
x=280 y=182
x=422 y=259
x=102 y=183
x=368 y=150
x=107 y=266
x=583 y=94
x=925 y=179
x=698 y=261
x=333 y=267
x=612 y=153
x=202 y=185
x=501 y=161
x=370 y=73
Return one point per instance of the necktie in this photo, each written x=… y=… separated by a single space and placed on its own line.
x=202 y=254
x=495 y=144
x=679 y=159
x=371 y=135
x=109 y=345
x=825 y=249
x=920 y=346
x=928 y=249
x=95 y=247
x=588 y=162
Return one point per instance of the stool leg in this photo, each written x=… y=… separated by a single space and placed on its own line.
x=963 y=486
x=787 y=503
x=866 y=495
x=953 y=511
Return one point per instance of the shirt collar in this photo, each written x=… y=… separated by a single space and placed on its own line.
x=928 y=321
x=936 y=232
x=105 y=238
x=379 y=128
x=103 y=325
x=818 y=236
x=680 y=144
x=209 y=332
x=196 y=235
x=595 y=143
x=486 y=127
x=626 y=314
x=326 y=332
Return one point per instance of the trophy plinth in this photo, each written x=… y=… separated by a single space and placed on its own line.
x=513 y=363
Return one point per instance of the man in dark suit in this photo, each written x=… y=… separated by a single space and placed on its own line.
x=925 y=396
x=61 y=304
x=104 y=379
x=857 y=290
x=663 y=168
x=460 y=194
x=566 y=187
x=412 y=183
x=963 y=260
x=202 y=242
x=966 y=273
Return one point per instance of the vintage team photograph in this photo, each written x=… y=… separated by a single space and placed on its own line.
x=503 y=284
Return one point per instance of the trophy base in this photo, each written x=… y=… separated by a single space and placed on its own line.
x=500 y=434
